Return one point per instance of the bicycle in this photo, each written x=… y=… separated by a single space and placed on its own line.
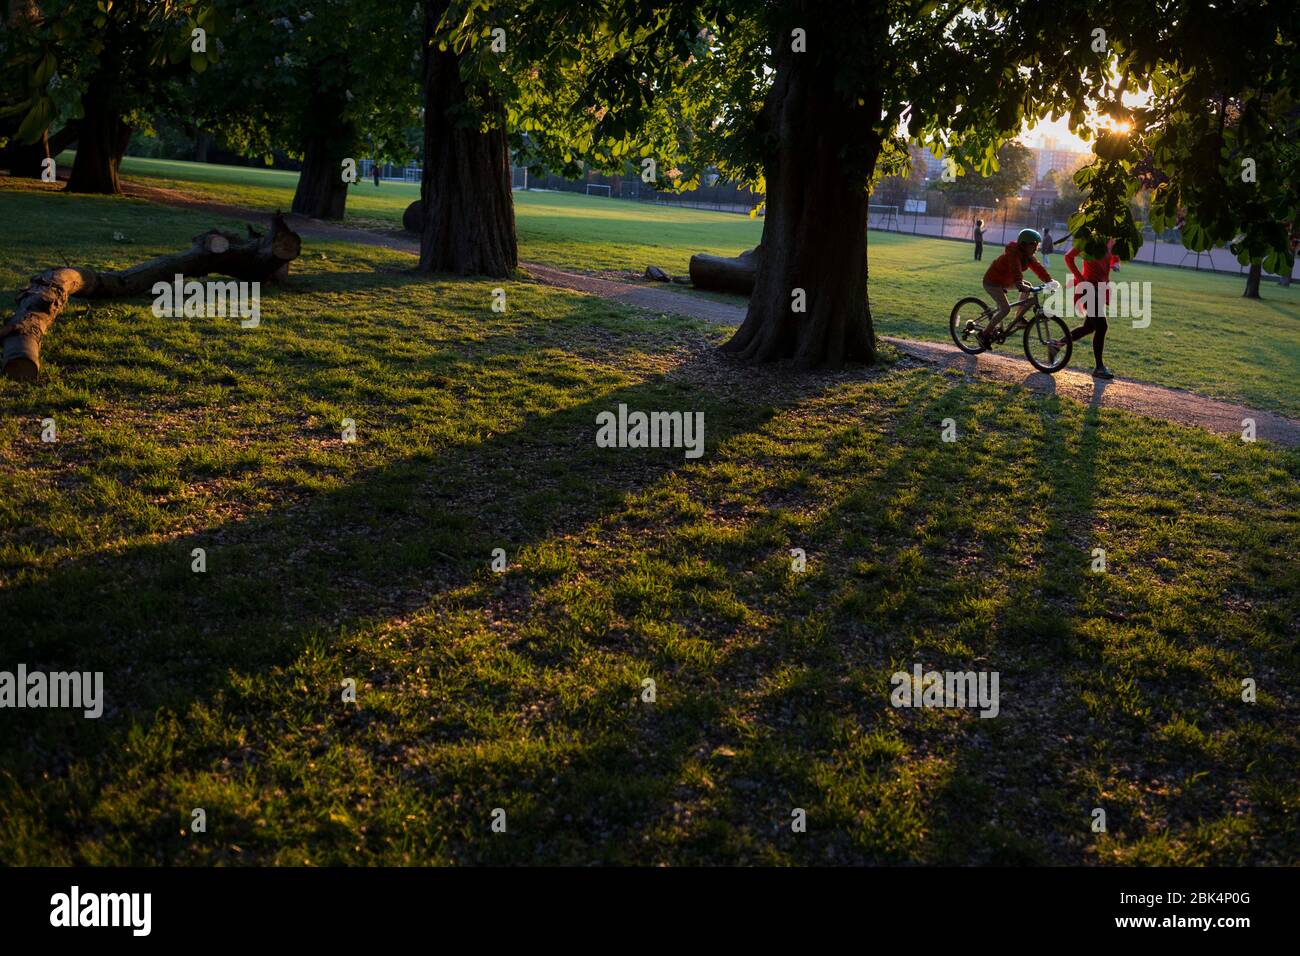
x=1046 y=336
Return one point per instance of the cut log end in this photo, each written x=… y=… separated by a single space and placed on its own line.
x=257 y=258
x=21 y=369
x=413 y=218
x=719 y=274
x=22 y=358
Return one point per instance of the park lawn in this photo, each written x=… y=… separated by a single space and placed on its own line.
x=328 y=561
x=1202 y=336
x=561 y=229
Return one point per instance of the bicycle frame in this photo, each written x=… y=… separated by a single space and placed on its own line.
x=1033 y=308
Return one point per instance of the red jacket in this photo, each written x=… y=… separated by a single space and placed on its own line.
x=1008 y=269
x=1094 y=270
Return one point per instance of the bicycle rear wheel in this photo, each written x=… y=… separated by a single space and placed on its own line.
x=1043 y=334
x=968 y=319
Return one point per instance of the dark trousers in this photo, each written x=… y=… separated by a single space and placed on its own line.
x=979 y=251
x=1094 y=325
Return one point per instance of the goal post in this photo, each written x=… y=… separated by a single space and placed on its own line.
x=607 y=193
x=882 y=217
x=959 y=223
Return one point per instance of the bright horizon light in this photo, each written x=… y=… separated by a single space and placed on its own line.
x=1059 y=129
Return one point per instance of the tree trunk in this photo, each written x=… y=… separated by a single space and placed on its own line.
x=1252 y=281
x=468 y=225
x=28 y=160
x=810 y=293
x=321 y=192
x=101 y=142
x=720 y=274
x=65 y=138
x=255 y=258
x=202 y=141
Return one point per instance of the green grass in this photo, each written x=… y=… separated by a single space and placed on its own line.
x=328 y=560
x=562 y=229
x=1203 y=336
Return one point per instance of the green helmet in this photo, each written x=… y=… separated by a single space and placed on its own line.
x=1029 y=235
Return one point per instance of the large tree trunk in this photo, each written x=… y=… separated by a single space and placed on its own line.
x=202 y=141
x=255 y=258
x=1252 y=281
x=65 y=138
x=321 y=192
x=468 y=225
x=823 y=149
x=101 y=142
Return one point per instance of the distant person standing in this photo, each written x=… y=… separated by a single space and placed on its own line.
x=1048 y=245
x=376 y=174
x=979 y=239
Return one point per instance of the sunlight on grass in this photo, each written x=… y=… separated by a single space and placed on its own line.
x=525 y=689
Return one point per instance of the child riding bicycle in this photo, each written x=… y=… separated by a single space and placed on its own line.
x=1007 y=271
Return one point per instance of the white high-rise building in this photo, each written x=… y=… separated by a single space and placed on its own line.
x=1052 y=156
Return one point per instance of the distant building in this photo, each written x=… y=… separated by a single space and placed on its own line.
x=934 y=166
x=1051 y=157
x=1039 y=195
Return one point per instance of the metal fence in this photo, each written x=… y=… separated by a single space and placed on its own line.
x=936 y=214
x=722 y=197
x=1005 y=222
x=410 y=173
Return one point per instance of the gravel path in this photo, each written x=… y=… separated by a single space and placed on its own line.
x=1154 y=401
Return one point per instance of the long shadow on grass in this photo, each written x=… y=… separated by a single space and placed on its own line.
x=1037 y=644
x=387 y=544
x=887 y=786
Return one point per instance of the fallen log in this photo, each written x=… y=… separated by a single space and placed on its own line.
x=413 y=218
x=252 y=258
x=721 y=274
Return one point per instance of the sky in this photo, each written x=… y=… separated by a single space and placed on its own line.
x=1059 y=129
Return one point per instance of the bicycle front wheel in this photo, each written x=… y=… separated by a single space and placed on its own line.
x=1047 y=343
x=968 y=319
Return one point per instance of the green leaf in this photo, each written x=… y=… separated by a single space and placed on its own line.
x=198 y=62
x=36 y=122
x=17 y=108
x=180 y=48
x=44 y=70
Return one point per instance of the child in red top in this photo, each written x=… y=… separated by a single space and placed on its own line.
x=1007 y=271
x=1092 y=284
